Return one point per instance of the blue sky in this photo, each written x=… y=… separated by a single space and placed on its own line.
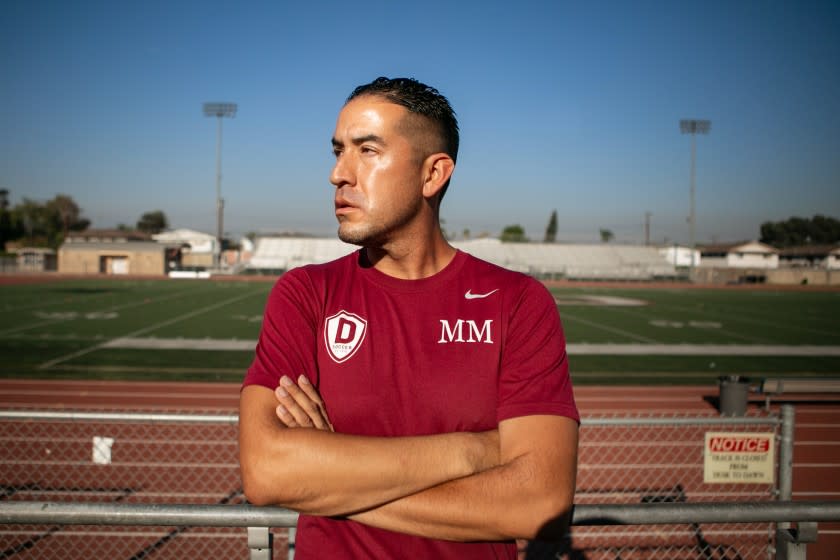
x=573 y=106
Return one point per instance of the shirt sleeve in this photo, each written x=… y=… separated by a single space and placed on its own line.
x=287 y=342
x=534 y=377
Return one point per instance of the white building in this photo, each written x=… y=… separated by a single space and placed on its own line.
x=832 y=261
x=811 y=256
x=680 y=256
x=197 y=248
x=752 y=254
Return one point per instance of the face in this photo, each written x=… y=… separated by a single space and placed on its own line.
x=377 y=175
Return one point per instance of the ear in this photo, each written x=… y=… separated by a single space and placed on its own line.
x=437 y=169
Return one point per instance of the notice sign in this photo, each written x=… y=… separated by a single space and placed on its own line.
x=739 y=457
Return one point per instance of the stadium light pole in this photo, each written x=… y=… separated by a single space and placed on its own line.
x=693 y=127
x=219 y=110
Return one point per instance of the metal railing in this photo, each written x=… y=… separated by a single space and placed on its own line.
x=771 y=504
x=259 y=519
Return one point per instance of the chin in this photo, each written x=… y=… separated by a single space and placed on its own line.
x=360 y=235
x=351 y=235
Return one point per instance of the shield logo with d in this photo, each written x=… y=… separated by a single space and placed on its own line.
x=344 y=333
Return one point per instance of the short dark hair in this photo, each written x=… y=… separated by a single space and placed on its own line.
x=419 y=99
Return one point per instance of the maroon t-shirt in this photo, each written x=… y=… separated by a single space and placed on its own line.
x=459 y=351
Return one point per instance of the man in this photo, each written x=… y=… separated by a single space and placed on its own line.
x=437 y=383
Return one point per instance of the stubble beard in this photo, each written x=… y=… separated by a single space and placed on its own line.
x=362 y=235
x=377 y=233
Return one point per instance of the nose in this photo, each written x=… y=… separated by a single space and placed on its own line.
x=342 y=174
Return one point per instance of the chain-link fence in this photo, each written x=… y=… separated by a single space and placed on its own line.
x=116 y=457
x=657 y=459
x=192 y=459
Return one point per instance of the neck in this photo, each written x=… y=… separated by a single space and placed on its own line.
x=412 y=257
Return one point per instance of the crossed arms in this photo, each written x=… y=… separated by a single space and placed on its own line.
x=516 y=482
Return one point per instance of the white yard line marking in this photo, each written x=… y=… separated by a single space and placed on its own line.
x=32 y=326
x=647 y=317
x=144 y=330
x=628 y=334
x=107 y=309
x=47 y=303
x=734 y=317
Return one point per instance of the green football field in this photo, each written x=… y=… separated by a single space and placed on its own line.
x=206 y=330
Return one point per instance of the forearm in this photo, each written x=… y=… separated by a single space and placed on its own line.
x=324 y=473
x=528 y=496
x=487 y=506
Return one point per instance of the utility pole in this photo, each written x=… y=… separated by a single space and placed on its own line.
x=647 y=228
x=219 y=110
x=693 y=127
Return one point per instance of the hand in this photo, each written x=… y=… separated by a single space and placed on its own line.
x=300 y=405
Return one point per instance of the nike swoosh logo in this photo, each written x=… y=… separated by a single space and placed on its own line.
x=470 y=295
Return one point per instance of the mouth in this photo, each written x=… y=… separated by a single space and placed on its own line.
x=343 y=206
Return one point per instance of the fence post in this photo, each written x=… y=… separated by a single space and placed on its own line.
x=259 y=543
x=788 y=547
x=786 y=453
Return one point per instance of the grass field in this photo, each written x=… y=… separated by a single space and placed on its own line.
x=73 y=329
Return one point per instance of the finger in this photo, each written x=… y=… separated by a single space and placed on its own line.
x=306 y=412
x=283 y=415
x=312 y=393
x=307 y=397
x=294 y=413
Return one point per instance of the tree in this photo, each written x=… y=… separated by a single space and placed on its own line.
x=795 y=231
x=37 y=227
x=41 y=224
x=152 y=222
x=66 y=216
x=10 y=226
x=606 y=235
x=551 y=229
x=513 y=234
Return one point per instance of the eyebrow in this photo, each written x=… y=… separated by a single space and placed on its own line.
x=360 y=140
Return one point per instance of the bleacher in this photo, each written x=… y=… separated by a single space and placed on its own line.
x=574 y=261
x=542 y=260
x=285 y=253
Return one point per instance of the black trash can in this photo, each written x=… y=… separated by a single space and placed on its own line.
x=733 y=394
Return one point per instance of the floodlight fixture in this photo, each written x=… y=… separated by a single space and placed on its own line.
x=219 y=110
x=693 y=127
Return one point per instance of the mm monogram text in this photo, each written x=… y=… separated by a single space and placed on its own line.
x=449 y=333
